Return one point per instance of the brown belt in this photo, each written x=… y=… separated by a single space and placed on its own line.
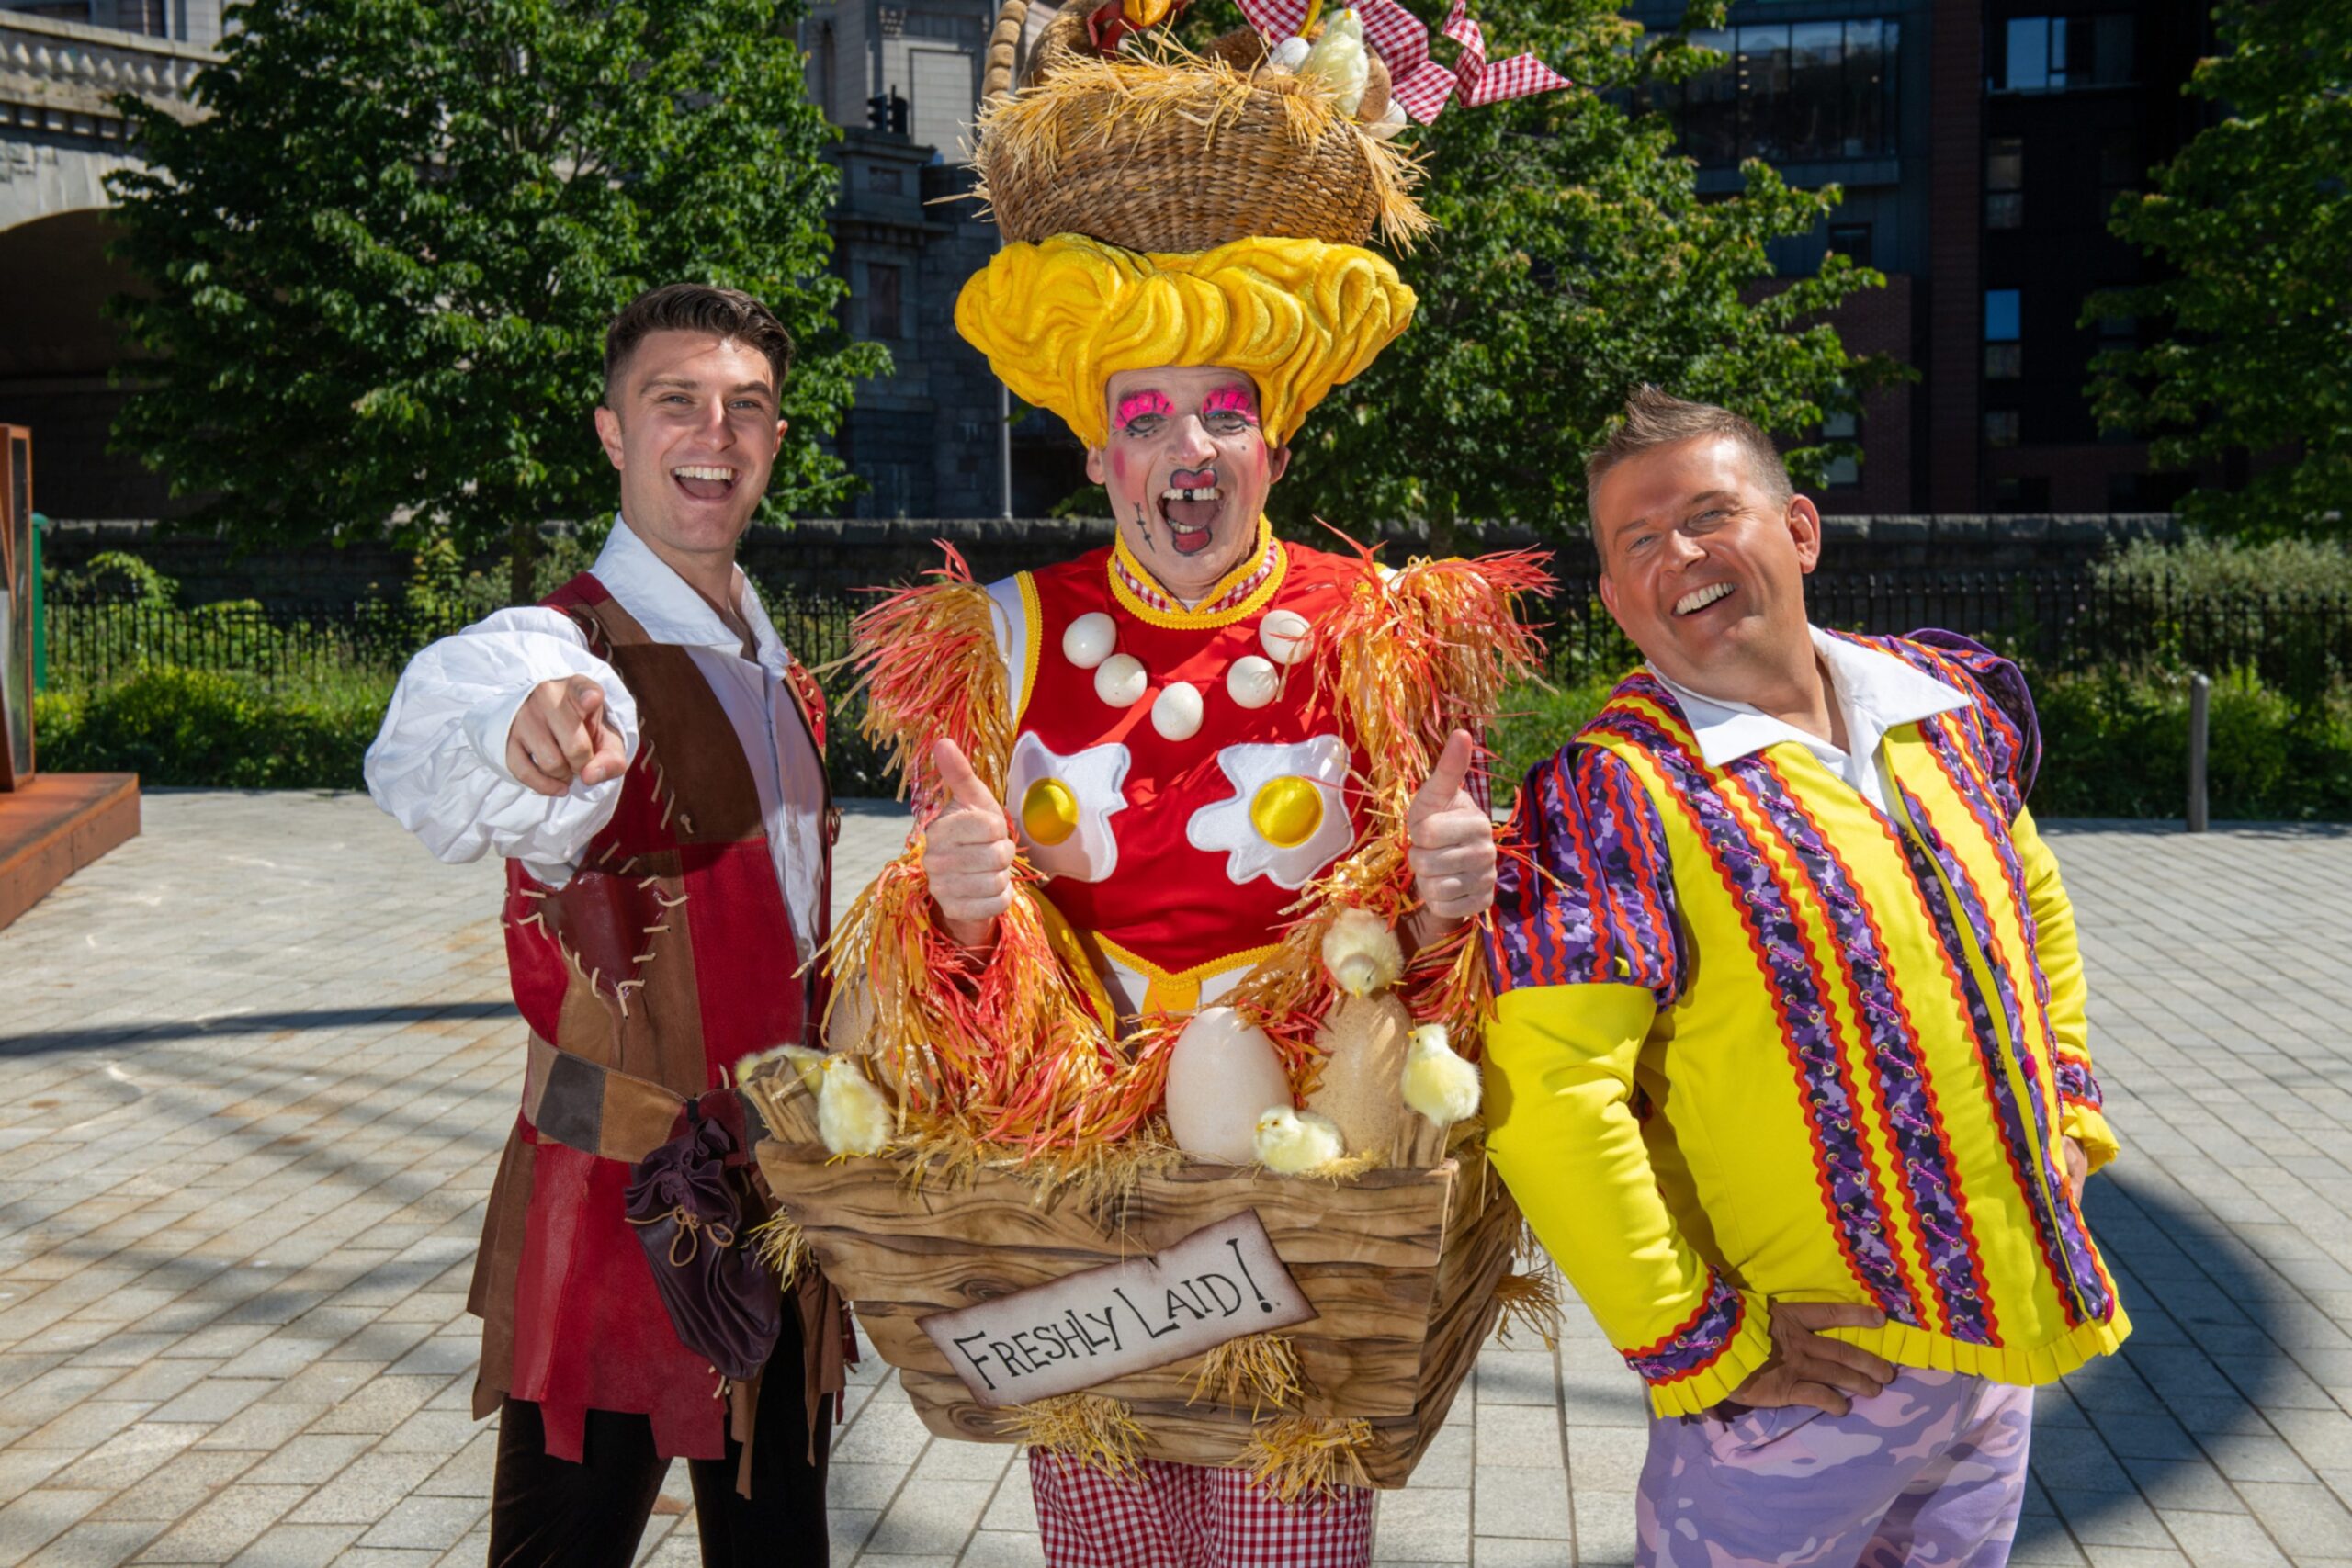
x=602 y=1111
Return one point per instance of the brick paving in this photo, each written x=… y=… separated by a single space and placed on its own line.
x=260 y=1063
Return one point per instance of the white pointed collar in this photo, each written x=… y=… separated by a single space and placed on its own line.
x=670 y=611
x=1876 y=691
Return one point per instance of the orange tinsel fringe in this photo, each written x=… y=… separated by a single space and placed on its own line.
x=1429 y=650
x=1409 y=657
x=927 y=663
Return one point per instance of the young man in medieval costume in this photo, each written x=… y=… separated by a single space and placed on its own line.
x=648 y=757
x=1134 y=770
x=1791 y=1070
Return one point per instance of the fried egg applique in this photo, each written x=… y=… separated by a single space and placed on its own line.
x=1287 y=817
x=1062 y=806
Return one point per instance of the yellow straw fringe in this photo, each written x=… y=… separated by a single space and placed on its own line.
x=1082 y=1429
x=782 y=1245
x=1296 y=1455
x=1531 y=1302
x=1263 y=1367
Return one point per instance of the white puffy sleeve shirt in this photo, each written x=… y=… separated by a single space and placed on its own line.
x=438 y=764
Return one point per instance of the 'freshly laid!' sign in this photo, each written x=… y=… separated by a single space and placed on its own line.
x=1216 y=1284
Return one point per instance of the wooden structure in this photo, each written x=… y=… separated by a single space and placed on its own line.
x=1400 y=1265
x=50 y=825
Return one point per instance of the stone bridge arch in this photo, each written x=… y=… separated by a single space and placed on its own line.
x=61 y=135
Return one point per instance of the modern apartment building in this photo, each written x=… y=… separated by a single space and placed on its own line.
x=1980 y=147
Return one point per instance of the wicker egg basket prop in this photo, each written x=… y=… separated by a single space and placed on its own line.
x=1178 y=153
x=1401 y=1266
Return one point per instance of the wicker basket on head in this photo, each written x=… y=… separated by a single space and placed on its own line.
x=1178 y=153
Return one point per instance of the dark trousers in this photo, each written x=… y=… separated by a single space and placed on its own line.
x=552 y=1513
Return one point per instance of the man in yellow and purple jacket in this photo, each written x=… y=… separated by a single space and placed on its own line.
x=1790 y=1073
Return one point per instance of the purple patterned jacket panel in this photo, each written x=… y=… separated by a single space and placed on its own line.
x=1585 y=893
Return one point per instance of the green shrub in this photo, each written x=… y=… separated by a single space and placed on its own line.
x=2201 y=568
x=2115 y=743
x=1538 y=721
x=199 y=728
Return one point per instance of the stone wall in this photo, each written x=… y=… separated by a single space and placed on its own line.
x=836 y=555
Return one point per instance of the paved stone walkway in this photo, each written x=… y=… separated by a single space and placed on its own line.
x=259 y=1065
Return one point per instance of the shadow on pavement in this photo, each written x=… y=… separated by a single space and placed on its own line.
x=122 y=1036
x=2139 y=1427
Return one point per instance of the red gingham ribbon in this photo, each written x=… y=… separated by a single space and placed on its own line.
x=1420 y=84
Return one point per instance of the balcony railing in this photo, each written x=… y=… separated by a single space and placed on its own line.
x=61 y=78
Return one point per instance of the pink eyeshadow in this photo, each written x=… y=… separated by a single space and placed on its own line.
x=1232 y=399
x=1135 y=405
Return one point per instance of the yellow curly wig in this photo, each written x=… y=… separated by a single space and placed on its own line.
x=1059 y=319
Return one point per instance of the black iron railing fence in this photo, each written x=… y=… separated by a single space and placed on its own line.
x=2298 y=643
x=94 y=642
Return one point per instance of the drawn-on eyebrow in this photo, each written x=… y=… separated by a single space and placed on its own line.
x=1135 y=405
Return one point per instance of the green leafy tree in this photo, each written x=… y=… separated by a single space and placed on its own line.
x=2254 y=221
x=382 y=260
x=1573 y=261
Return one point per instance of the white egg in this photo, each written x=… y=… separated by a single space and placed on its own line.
x=1252 y=682
x=1087 y=640
x=1222 y=1073
x=1289 y=54
x=1284 y=635
x=1119 y=679
x=1176 y=712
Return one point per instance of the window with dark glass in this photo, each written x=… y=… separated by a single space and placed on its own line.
x=1852 y=240
x=2004 y=183
x=1789 y=93
x=1845 y=471
x=881 y=301
x=2022 y=493
x=2000 y=428
x=2055 y=54
x=2004 y=352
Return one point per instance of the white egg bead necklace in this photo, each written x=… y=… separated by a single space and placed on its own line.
x=1120 y=679
x=1253 y=681
x=1087 y=640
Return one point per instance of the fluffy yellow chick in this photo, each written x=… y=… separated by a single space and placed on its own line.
x=1340 y=59
x=1295 y=1141
x=1362 y=953
x=853 y=1116
x=1439 y=1084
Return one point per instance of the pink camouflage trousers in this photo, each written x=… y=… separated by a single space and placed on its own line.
x=1929 y=1470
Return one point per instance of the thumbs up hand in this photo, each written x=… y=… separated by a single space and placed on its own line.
x=559 y=734
x=968 y=850
x=1450 y=840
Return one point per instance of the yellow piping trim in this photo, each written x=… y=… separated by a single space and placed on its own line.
x=1178 y=990
x=1035 y=615
x=1186 y=620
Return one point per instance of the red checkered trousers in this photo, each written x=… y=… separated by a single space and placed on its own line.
x=1191 y=1516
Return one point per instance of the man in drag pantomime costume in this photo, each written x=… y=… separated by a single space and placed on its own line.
x=1182 y=795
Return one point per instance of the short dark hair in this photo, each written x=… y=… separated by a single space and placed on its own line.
x=1654 y=418
x=695 y=308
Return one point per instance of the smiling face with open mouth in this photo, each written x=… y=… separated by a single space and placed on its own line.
x=1705 y=567
x=695 y=435
x=1187 y=468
